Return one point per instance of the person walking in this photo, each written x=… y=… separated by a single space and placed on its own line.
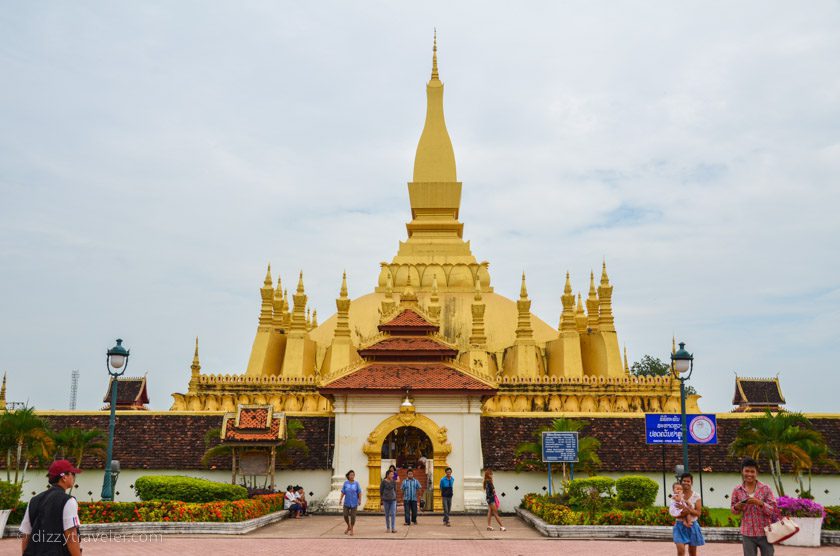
x=692 y=505
x=447 y=484
x=351 y=496
x=50 y=524
x=492 y=500
x=755 y=503
x=388 y=496
x=410 y=490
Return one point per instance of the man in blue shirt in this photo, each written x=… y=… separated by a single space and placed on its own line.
x=410 y=489
x=446 y=491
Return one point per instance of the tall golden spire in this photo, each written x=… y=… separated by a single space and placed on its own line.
x=434 y=300
x=626 y=365
x=478 y=337
x=580 y=315
x=592 y=304
x=567 y=317
x=299 y=320
x=342 y=316
x=267 y=295
x=524 y=332
x=606 y=320
x=435 y=158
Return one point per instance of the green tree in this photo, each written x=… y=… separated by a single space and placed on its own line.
x=649 y=365
x=74 y=443
x=588 y=460
x=820 y=454
x=777 y=439
x=23 y=436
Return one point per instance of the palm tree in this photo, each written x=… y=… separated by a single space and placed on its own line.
x=779 y=439
x=283 y=452
x=24 y=436
x=820 y=454
x=74 y=443
x=588 y=460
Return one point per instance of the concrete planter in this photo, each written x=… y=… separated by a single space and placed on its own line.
x=172 y=527
x=4 y=517
x=810 y=529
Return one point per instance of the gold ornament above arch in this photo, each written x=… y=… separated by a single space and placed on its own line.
x=438 y=435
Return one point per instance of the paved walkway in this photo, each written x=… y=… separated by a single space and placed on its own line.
x=467 y=537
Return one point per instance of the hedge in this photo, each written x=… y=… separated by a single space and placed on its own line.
x=636 y=489
x=553 y=513
x=832 y=518
x=9 y=495
x=186 y=489
x=579 y=489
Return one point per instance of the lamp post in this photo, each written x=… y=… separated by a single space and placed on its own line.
x=116 y=362
x=682 y=361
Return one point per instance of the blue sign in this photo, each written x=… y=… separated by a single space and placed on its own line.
x=559 y=446
x=666 y=428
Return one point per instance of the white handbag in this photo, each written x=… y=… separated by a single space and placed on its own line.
x=781 y=530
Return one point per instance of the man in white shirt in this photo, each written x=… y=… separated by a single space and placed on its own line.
x=52 y=517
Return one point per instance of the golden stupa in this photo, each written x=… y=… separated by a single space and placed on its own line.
x=576 y=367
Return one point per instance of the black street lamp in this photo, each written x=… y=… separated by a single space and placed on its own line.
x=682 y=361
x=116 y=362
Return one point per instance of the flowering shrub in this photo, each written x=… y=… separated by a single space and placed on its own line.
x=549 y=511
x=171 y=510
x=799 y=507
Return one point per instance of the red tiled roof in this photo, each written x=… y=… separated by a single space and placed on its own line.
x=130 y=391
x=408 y=319
x=416 y=376
x=764 y=391
x=253 y=418
x=240 y=434
x=408 y=344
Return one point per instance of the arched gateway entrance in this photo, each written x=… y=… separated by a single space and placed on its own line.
x=402 y=424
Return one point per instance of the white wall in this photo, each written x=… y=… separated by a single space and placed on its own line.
x=317 y=482
x=715 y=486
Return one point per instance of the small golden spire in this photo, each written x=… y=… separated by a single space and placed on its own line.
x=196 y=365
x=314 y=318
x=579 y=308
x=605 y=280
x=626 y=365
x=477 y=290
x=279 y=289
x=300 y=283
x=568 y=289
x=267 y=282
x=343 y=292
x=3 y=393
x=673 y=344
x=434 y=58
x=523 y=291
x=592 y=291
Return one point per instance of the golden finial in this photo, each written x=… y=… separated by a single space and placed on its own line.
x=196 y=365
x=343 y=292
x=315 y=318
x=579 y=307
x=300 y=283
x=434 y=58
x=673 y=344
x=267 y=282
x=568 y=289
x=308 y=315
x=523 y=291
x=279 y=288
x=3 y=393
x=477 y=289
x=605 y=280
x=592 y=292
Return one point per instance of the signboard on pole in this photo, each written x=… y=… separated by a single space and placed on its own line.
x=666 y=428
x=559 y=447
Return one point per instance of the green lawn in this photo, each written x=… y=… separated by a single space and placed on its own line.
x=723 y=514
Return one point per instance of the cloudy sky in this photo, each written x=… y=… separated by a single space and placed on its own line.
x=154 y=156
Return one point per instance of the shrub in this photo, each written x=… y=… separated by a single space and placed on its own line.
x=832 y=518
x=186 y=489
x=549 y=511
x=579 y=490
x=637 y=490
x=9 y=495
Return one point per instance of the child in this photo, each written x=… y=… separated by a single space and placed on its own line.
x=678 y=505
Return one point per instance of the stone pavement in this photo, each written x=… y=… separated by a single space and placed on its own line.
x=318 y=535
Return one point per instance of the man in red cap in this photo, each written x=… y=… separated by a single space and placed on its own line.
x=51 y=522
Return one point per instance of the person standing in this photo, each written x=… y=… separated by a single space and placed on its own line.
x=410 y=489
x=351 y=496
x=447 y=484
x=492 y=500
x=692 y=506
x=50 y=524
x=755 y=503
x=388 y=496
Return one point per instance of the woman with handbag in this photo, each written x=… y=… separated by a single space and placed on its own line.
x=492 y=500
x=755 y=503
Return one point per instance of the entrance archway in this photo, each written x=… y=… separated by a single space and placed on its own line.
x=427 y=432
